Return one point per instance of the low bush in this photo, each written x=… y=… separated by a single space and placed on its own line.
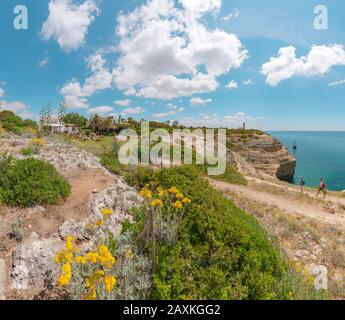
x=220 y=252
x=31 y=182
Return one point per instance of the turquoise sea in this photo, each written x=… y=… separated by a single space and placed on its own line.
x=318 y=154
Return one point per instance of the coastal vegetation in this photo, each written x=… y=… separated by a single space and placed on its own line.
x=30 y=182
x=185 y=240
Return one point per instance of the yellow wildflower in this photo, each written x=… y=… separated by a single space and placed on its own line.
x=94 y=278
x=91 y=295
x=156 y=203
x=173 y=190
x=161 y=193
x=106 y=212
x=92 y=257
x=177 y=205
x=38 y=142
x=80 y=260
x=69 y=243
x=179 y=196
x=186 y=201
x=110 y=282
x=66 y=268
x=99 y=223
x=64 y=256
x=64 y=279
x=105 y=258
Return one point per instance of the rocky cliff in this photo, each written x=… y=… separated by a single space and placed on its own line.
x=257 y=153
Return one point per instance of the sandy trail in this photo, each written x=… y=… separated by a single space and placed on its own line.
x=330 y=198
x=283 y=203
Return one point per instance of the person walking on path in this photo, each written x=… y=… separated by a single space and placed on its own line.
x=322 y=188
x=301 y=183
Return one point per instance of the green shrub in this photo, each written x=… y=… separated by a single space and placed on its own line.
x=221 y=252
x=27 y=152
x=112 y=163
x=31 y=182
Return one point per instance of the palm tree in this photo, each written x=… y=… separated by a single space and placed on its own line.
x=107 y=123
x=95 y=123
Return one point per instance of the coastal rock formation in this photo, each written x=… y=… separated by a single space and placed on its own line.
x=259 y=153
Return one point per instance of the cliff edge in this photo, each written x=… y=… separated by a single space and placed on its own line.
x=257 y=153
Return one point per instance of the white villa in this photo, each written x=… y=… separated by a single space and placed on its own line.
x=64 y=128
x=60 y=127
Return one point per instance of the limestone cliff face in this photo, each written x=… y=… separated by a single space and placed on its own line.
x=261 y=154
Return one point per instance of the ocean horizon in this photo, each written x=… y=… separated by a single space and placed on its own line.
x=318 y=154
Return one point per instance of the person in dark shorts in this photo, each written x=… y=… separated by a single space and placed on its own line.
x=322 y=188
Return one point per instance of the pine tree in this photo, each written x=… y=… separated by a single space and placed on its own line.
x=62 y=112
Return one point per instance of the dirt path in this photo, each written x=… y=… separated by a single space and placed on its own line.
x=283 y=202
x=77 y=207
x=330 y=198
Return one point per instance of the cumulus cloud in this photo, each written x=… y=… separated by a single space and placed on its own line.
x=166 y=52
x=100 y=110
x=123 y=103
x=75 y=95
x=2 y=92
x=336 y=83
x=68 y=22
x=14 y=106
x=163 y=115
x=133 y=111
x=232 y=85
x=199 y=101
x=319 y=61
x=215 y=121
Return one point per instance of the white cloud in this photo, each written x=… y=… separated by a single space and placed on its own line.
x=232 y=85
x=163 y=115
x=173 y=111
x=132 y=111
x=123 y=103
x=248 y=82
x=163 y=46
x=76 y=95
x=199 y=101
x=232 y=15
x=171 y=106
x=336 y=83
x=215 y=121
x=14 y=106
x=2 y=92
x=68 y=22
x=45 y=61
x=100 y=110
x=319 y=61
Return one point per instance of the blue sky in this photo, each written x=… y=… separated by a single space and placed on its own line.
x=202 y=62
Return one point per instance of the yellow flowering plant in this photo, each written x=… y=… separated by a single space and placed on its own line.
x=166 y=207
x=88 y=275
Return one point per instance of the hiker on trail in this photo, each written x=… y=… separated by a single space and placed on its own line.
x=322 y=188
x=301 y=183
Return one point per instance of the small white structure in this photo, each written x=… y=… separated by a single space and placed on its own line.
x=60 y=128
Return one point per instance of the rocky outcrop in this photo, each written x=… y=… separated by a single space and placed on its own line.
x=261 y=153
